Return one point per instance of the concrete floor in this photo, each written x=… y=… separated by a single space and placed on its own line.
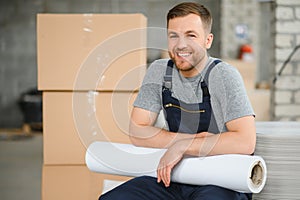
x=21 y=168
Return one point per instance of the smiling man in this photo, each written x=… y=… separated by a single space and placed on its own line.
x=205 y=105
x=188 y=43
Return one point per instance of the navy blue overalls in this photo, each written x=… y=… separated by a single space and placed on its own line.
x=184 y=118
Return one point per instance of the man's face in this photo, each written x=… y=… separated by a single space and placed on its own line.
x=188 y=43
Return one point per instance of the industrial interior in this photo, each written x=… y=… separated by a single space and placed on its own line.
x=54 y=100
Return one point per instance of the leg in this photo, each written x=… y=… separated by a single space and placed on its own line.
x=144 y=187
x=212 y=192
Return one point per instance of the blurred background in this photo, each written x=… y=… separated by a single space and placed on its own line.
x=264 y=31
x=259 y=37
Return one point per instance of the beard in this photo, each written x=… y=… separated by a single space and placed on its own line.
x=184 y=66
x=181 y=63
x=188 y=60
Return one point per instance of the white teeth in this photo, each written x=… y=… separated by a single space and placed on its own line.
x=184 y=54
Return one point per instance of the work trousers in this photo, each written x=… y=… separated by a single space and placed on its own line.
x=147 y=188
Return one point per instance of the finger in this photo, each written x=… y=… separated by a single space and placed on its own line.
x=158 y=175
x=158 y=179
x=159 y=172
x=168 y=175
x=165 y=176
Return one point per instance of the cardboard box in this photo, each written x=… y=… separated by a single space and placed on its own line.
x=75 y=182
x=260 y=100
x=91 y=51
x=73 y=120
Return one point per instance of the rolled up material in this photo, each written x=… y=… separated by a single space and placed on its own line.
x=241 y=173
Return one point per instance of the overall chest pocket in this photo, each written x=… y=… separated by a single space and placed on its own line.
x=187 y=118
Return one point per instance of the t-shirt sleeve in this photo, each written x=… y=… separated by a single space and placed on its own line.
x=228 y=88
x=149 y=96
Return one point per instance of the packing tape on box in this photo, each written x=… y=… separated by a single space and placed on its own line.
x=241 y=173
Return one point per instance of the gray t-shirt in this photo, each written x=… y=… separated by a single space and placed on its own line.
x=229 y=99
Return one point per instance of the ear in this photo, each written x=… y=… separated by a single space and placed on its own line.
x=209 y=40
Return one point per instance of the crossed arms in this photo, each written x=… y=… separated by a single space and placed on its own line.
x=240 y=139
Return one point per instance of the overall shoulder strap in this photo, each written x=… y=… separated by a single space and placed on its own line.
x=211 y=66
x=168 y=75
x=169 y=71
x=204 y=83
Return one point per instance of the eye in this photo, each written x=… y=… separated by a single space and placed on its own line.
x=191 y=35
x=172 y=36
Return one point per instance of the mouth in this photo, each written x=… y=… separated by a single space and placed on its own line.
x=184 y=54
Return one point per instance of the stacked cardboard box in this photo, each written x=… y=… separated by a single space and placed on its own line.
x=259 y=98
x=90 y=67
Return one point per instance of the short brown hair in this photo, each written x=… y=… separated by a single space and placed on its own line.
x=187 y=8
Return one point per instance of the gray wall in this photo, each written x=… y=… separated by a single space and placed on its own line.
x=17 y=56
x=241 y=15
x=18 y=66
x=286 y=90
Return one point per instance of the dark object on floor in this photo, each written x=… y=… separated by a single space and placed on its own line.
x=31 y=106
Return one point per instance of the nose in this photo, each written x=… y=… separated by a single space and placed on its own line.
x=181 y=43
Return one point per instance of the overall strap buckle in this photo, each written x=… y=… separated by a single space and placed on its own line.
x=168 y=76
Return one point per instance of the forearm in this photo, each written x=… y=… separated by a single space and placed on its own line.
x=224 y=143
x=150 y=136
x=239 y=139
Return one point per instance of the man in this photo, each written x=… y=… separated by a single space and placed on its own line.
x=205 y=105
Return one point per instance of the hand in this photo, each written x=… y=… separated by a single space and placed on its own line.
x=203 y=134
x=167 y=162
x=173 y=155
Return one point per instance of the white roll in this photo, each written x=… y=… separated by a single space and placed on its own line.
x=241 y=173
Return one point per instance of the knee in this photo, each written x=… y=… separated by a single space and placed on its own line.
x=118 y=195
x=108 y=196
x=132 y=189
x=213 y=192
